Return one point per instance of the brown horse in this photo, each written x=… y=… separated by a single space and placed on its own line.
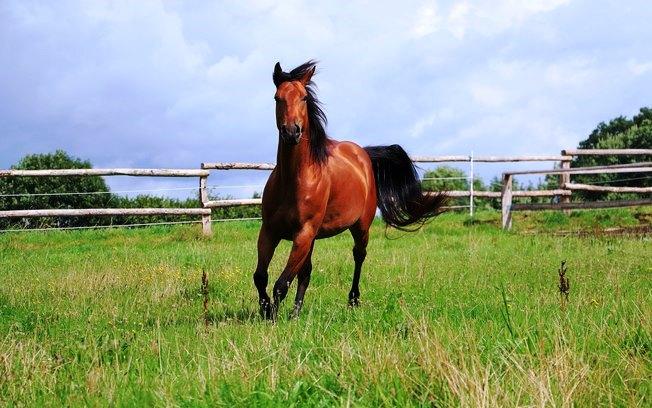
x=321 y=187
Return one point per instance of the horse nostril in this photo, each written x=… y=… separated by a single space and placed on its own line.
x=297 y=128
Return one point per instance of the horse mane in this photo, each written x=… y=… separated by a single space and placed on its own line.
x=316 y=116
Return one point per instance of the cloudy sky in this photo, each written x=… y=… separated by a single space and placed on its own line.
x=173 y=84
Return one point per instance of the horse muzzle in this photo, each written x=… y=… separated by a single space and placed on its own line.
x=290 y=136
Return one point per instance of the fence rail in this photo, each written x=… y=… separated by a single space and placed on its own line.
x=488 y=159
x=581 y=205
x=238 y=166
x=607 y=152
x=607 y=189
x=497 y=194
x=106 y=172
x=617 y=168
x=89 y=212
x=232 y=203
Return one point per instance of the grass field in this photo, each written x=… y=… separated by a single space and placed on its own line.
x=457 y=314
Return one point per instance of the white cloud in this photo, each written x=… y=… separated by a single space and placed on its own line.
x=486 y=18
x=572 y=73
x=493 y=17
x=161 y=83
x=458 y=19
x=427 y=21
x=489 y=96
x=418 y=129
x=639 y=68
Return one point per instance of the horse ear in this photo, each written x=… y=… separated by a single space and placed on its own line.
x=307 y=76
x=277 y=77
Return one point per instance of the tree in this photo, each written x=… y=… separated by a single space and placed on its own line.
x=619 y=133
x=20 y=193
x=447 y=178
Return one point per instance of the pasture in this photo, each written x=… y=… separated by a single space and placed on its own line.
x=459 y=313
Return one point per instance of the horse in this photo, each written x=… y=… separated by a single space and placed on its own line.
x=321 y=187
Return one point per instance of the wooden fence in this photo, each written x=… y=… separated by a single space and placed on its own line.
x=205 y=213
x=417 y=159
x=506 y=195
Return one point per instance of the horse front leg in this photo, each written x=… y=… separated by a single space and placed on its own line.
x=301 y=250
x=267 y=243
x=303 y=280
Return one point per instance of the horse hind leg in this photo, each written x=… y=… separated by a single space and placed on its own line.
x=360 y=239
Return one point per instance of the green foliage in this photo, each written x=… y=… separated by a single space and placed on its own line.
x=622 y=133
x=445 y=178
x=496 y=185
x=448 y=178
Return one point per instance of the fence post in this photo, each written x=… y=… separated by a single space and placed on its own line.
x=203 y=199
x=563 y=179
x=506 y=201
x=471 y=186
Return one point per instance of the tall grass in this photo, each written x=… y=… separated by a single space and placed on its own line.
x=457 y=314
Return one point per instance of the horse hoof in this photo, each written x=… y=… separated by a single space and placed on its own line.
x=266 y=311
x=294 y=314
x=354 y=302
x=273 y=313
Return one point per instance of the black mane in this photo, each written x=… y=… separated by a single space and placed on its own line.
x=316 y=116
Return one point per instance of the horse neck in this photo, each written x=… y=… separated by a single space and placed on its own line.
x=293 y=160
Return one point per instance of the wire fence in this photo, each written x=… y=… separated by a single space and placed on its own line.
x=143 y=224
x=470 y=177
x=130 y=191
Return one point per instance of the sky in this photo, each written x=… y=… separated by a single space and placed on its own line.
x=171 y=84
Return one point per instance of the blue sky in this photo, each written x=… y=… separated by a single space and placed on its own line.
x=173 y=84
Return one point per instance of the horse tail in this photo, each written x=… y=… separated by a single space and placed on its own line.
x=401 y=200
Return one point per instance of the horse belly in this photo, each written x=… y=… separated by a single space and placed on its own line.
x=342 y=212
x=336 y=222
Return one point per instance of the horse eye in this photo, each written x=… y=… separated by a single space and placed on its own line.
x=305 y=98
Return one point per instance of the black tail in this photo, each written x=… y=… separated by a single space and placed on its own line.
x=400 y=198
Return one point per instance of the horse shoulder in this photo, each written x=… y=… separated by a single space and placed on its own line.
x=353 y=161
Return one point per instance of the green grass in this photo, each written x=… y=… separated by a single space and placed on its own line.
x=457 y=314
